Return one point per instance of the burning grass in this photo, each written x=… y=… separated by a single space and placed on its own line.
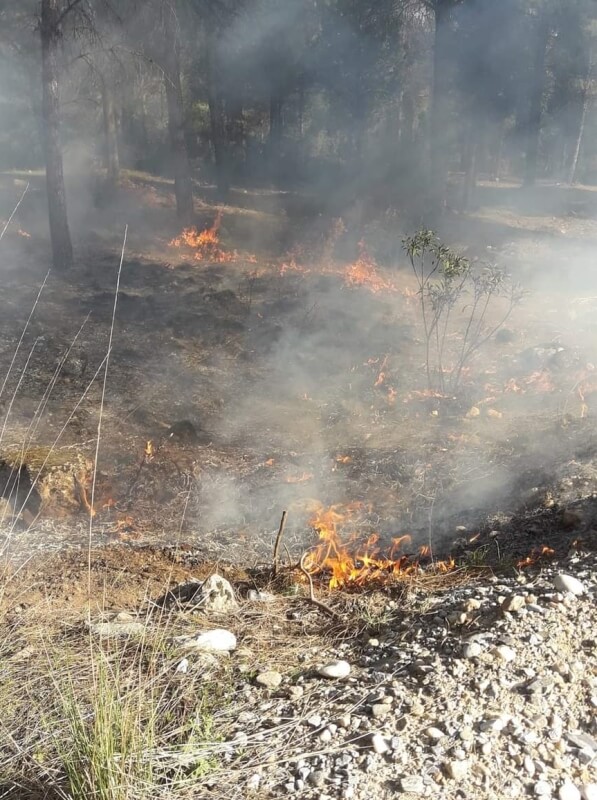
x=354 y=561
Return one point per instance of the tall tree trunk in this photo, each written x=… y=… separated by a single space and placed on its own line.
x=217 y=120
x=536 y=101
x=181 y=168
x=275 y=135
x=440 y=105
x=582 y=121
x=470 y=165
x=111 y=155
x=62 y=249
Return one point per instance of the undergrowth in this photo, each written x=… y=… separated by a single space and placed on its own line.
x=462 y=306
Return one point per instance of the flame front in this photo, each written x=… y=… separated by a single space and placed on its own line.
x=364 y=272
x=352 y=559
x=206 y=244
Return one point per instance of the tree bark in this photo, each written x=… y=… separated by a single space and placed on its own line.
x=582 y=121
x=181 y=168
x=217 y=120
x=535 y=101
x=62 y=249
x=440 y=107
x=111 y=155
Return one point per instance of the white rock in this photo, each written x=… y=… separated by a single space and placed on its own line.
x=472 y=650
x=568 y=583
x=270 y=679
x=568 y=791
x=434 y=733
x=183 y=666
x=335 y=669
x=588 y=791
x=542 y=789
x=457 y=769
x=412 y=784
x=513 y=603
x=257 y=596
x=379 y=744
x=110 y=630
x=217 y=595
x=504 y=653
x=254 y=782
x=529 y=766
x=216 y=640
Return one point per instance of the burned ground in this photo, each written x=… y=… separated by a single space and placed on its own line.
x=305 y=387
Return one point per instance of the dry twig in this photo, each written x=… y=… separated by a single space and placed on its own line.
x=278 y=540
x=312 y=599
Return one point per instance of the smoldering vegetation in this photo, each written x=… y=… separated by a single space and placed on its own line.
x=310 y=139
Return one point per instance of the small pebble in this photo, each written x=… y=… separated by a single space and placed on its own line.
x=504 y=653
x=412 y=784
x=457 y=770
x=472 y=650
x=270 y=679
x=568 y=791
x=379 y=744
x=542 y=789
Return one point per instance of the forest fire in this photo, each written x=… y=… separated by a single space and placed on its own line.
x=364 y=272
x=206 y=244
x=352 y=560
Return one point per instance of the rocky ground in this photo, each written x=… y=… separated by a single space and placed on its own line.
x=465 y=685
x=485 y=691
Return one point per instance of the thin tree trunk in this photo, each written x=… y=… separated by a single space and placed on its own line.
x=470 y=164
x=440 y=105
x=581 y=125
x=112 y=159
x=536 y=101
x=181 y=168
x=217 y=122
x=62 y=249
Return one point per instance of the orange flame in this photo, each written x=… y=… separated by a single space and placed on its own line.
x=535 y=555
x=302 y=478
x=206 y=244
x=354 y=560
x=364 y=272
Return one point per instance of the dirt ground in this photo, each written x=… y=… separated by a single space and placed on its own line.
x=296 y=389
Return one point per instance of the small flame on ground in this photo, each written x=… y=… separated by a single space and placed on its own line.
x=364 y=272
x=354 y=560
x=302 y=478
x=535 y=555
x=206 y=244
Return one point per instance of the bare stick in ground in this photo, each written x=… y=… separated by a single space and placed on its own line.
x=277 y=542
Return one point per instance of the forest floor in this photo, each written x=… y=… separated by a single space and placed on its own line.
x=277 y=364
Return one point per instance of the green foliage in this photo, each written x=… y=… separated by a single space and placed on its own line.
x=460 y=307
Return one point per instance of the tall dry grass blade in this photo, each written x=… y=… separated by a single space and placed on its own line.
x=101 y=409
x=14 y=211
x=20 y=342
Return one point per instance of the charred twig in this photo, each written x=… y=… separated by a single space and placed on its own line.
x=312 y=599
x=277 y=542
x=148 y=454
